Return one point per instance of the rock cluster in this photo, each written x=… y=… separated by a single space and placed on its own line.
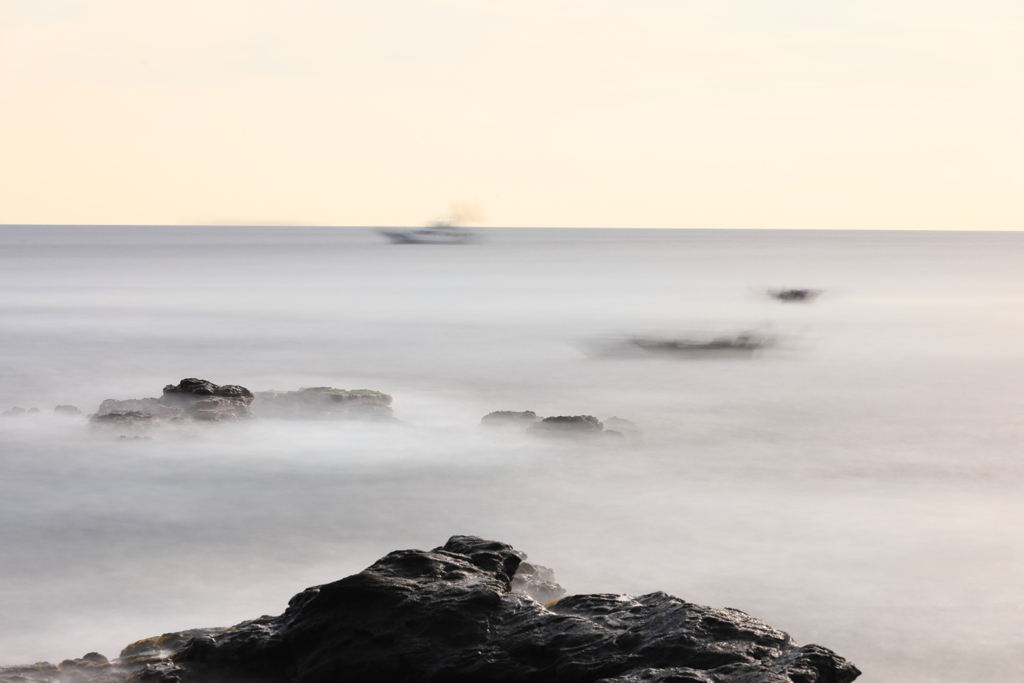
x=324 y=403
x=458 y=613
x=190 y=399
x=17 y=411
x=202 y=400
x=564 y=426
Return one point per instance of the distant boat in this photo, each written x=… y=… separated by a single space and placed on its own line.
x=791 y=295
x=440 y=232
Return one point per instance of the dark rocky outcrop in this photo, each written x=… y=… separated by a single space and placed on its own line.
x=462 y=613
x=322 y=403
x=190 y=399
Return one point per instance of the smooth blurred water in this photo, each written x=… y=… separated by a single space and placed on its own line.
x=859 y=486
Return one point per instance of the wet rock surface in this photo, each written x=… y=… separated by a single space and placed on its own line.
x=463 y=612
x=323 y=403
x=190 y=399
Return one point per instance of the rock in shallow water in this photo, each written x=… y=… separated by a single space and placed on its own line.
x=67 y=411
x=567 y=427
x=199 y=399
x=324 y=403
x=451 y=614
x=509 y=418
x=190 y=399
x=17 y=411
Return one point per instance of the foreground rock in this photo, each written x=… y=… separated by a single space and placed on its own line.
x=190 y=399
x=463 y=612
x=323 y=403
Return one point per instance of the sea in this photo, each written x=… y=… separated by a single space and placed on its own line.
x=856 y=482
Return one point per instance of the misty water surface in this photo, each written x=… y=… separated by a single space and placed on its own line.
x=858 y=486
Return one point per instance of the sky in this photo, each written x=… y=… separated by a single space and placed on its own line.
x=809 y=114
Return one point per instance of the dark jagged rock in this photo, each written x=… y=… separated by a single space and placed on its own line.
x=323 y=403
x=509 y=418
x=190 y=399
x=203 y=400
x=68 y=411
x=201 y=387
x=461 y=613
x=570 y=426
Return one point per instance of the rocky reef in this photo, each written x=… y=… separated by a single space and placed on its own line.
x=324 y=403
x=202 y=400
x=471 y=610
x=190 y=399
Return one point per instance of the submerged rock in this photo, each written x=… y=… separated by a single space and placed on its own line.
x=628 y=429
x=509 y=418
x=190 y=399
x=18 y=412
x=124 y=417
x=569 y=426
x=614 y=430
x=323 y=403
x=68 y=411
x=457 y=613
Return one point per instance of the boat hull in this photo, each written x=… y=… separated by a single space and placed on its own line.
x=428 y=236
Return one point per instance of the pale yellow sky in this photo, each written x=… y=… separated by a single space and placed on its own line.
x=864 y=114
